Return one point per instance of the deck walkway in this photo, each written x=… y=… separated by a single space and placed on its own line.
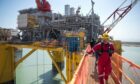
x=93 y=76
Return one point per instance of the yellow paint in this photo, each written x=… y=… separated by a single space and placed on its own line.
x=82 y=44
x=81 y=34
x=58 y=69
x=58 y=56
x=70 y=66
x=73 y=61
x=117 y=46
x=78 y=58
x=36 y=45
x=75 y=34
x=6 y=63
x=24 y=57
x=67 y=66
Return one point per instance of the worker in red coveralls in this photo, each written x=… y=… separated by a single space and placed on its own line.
x=105 y=50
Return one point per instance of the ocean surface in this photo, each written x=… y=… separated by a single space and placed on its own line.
x=37 y=69
x=132 y=53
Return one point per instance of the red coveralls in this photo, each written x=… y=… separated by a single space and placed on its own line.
x=104 y=62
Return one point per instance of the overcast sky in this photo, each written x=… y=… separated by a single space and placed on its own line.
x=127 y=29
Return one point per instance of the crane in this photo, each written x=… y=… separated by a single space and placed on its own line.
x=118 y=15
x=43 y=5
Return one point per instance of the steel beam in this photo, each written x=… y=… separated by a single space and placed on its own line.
x=36 y=47
x=58 y=69
x=23 y=58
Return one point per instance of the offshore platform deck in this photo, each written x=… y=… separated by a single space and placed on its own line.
x=64 y=38
x=79 y=66
x=93 y=74
x=92 y=77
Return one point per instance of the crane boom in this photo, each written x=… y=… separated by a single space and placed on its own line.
x=119 y=14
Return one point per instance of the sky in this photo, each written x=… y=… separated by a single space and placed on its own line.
x=127 y=29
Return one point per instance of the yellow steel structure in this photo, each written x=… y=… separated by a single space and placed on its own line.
x=6 y=63
x=67 y=66
x=38 y=46
x=58 y=69
x=56 y=53
x=24 y=57
x=58 y=56
x=73 y=58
